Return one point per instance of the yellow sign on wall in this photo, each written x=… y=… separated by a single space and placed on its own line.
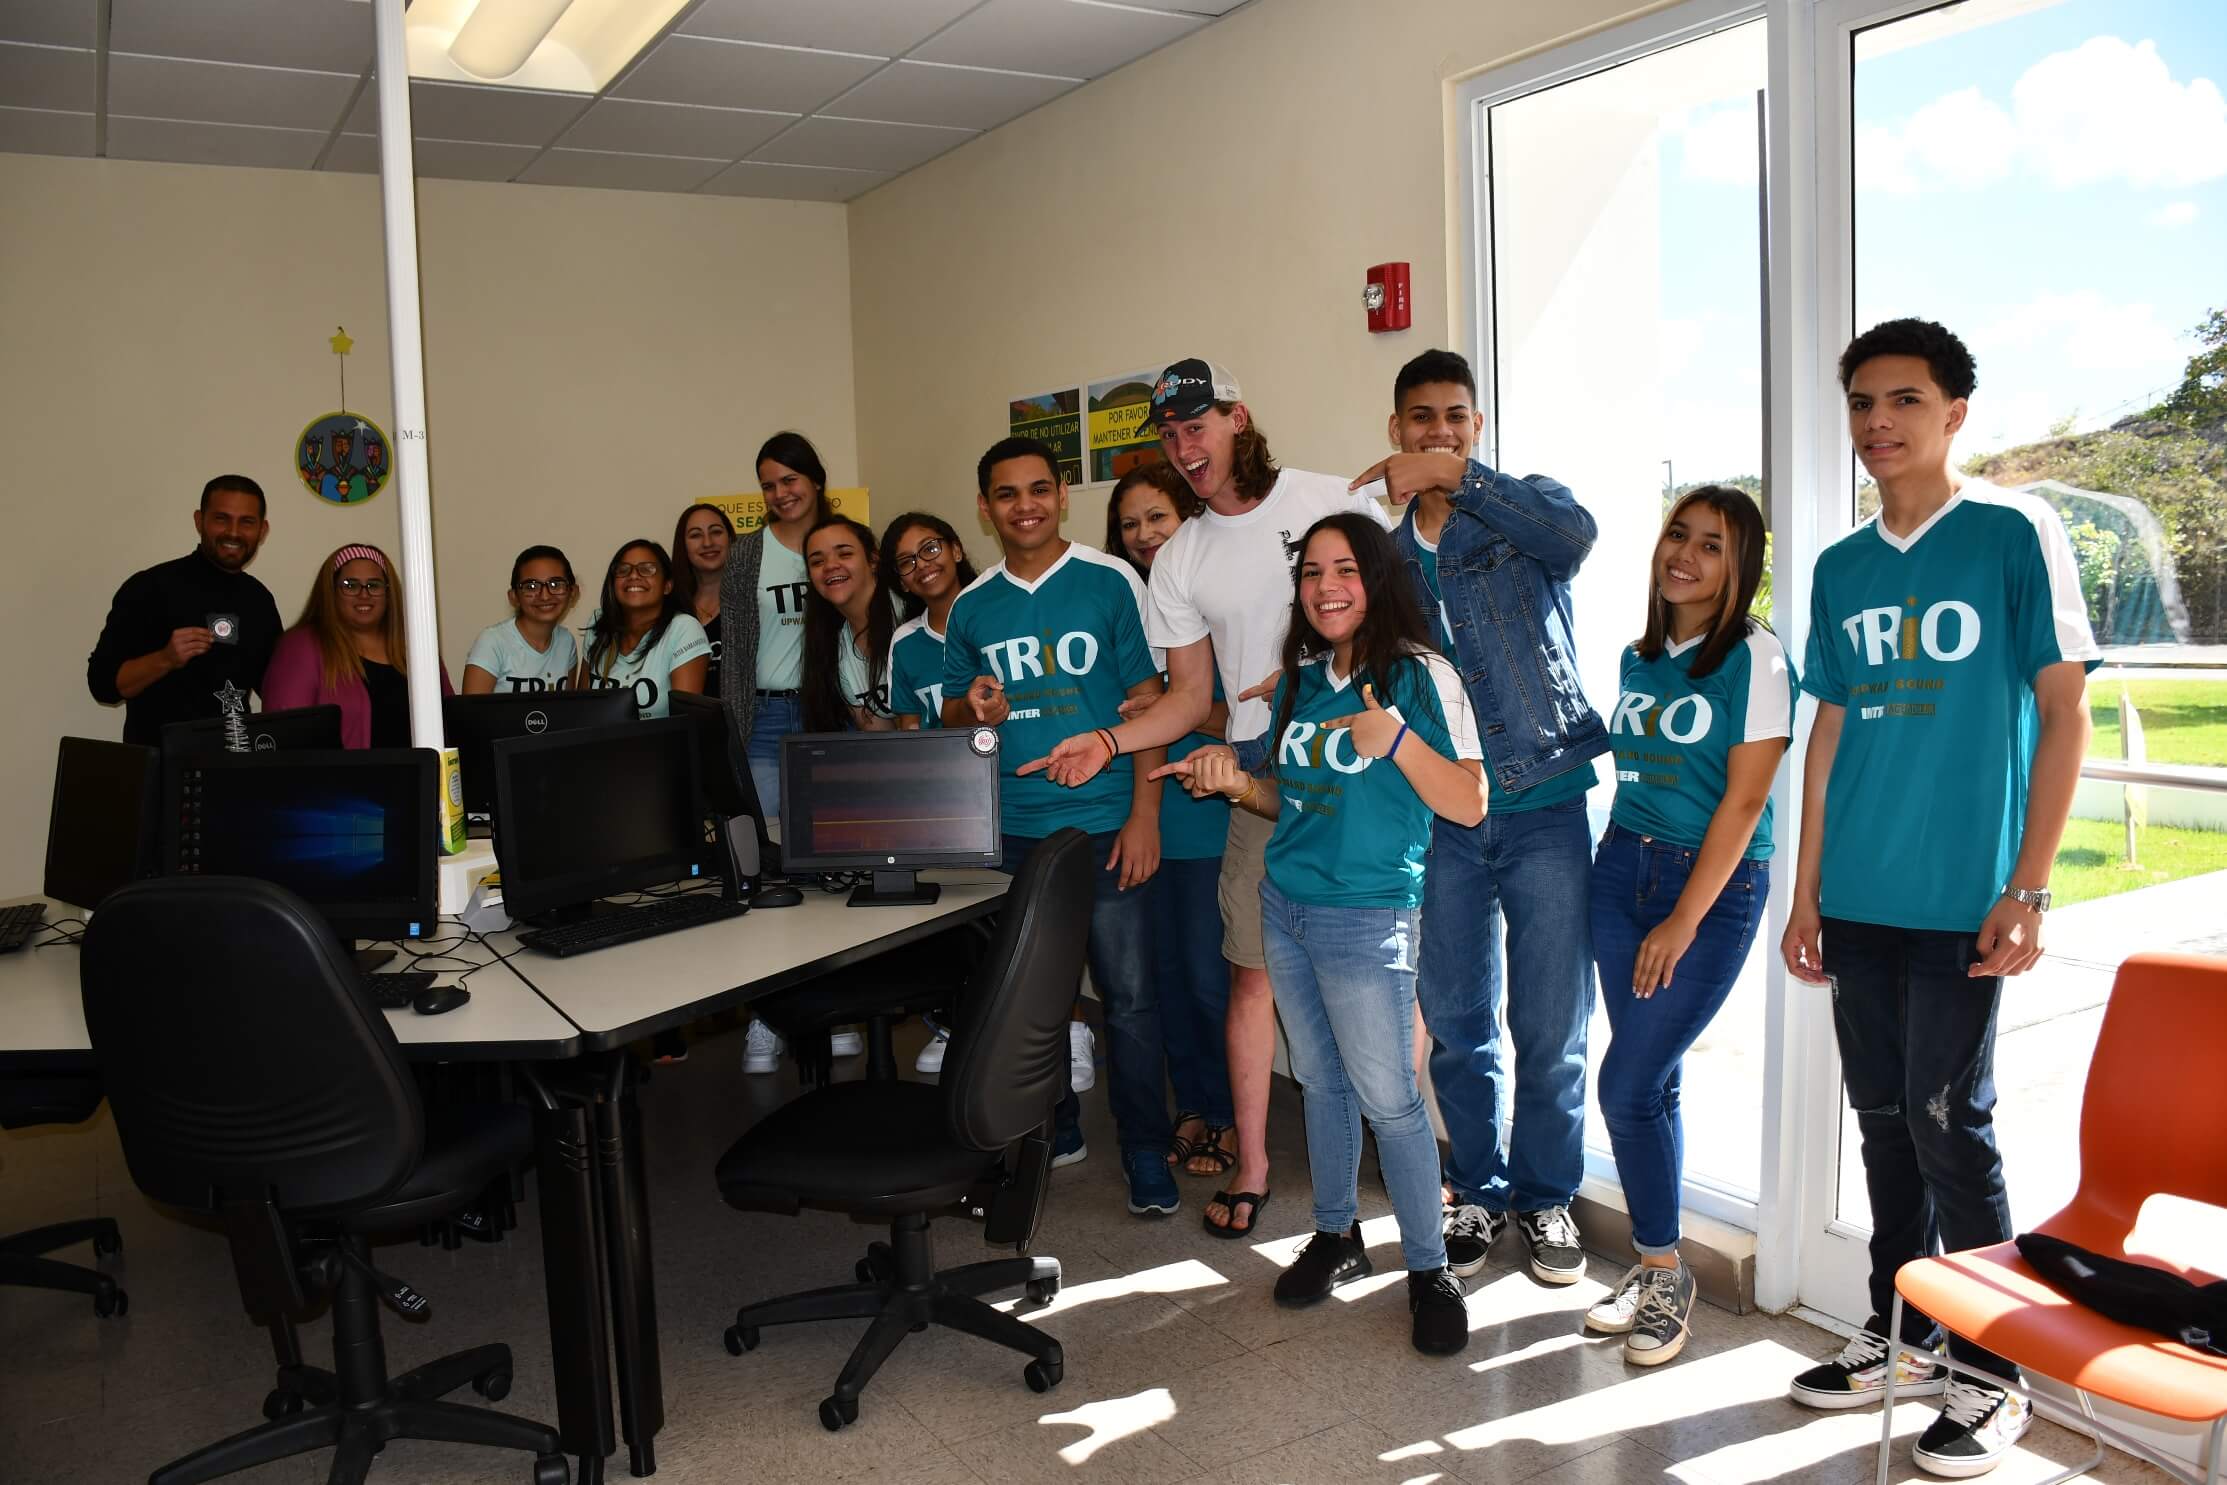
x=748 y=512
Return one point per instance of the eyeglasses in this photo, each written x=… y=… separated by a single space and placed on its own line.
x=554 y=587
x=373 y=586
x=636 y=569
x=927 y=551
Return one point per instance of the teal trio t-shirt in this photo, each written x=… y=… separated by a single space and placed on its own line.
x=1560 y=789
x=916 y=672
x=1931 y=642
x=1192 y=829
x=649 y=670
x=1067 y=648
x=503 y=653
x=782 y=588
x=1352 y=831
x=1674 y=734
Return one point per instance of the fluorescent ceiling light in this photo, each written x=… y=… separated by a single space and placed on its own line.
x=565 y=46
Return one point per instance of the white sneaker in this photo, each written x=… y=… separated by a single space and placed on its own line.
x=1082 y=1057
x=930 y=1059
x=1977 y=1426
x=1613 y=1314
x=846 y=1042
x=761 y=1048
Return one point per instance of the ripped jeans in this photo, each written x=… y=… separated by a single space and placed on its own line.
x=1917 y=1054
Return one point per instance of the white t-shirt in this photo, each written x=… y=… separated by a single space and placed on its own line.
x=1229 y=578
x=649 y=670
x=503 y=653
x=782 y=586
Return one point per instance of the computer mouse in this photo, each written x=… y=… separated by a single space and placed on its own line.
x=776 y=896
x=439 y=1000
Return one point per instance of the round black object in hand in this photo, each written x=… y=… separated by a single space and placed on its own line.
x=439 y=1000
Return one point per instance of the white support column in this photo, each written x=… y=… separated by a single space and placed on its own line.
x=405 y=340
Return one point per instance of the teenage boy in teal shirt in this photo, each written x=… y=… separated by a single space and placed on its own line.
x=1047 y=643
x=1948 y=651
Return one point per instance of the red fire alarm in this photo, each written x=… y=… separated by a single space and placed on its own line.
x=1385 y=298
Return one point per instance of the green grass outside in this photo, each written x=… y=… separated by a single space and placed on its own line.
x=2182 y=721
x=2091 y=859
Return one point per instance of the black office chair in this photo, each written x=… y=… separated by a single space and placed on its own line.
x=252 y=1079
x=978 y=1143
x=58 y=1099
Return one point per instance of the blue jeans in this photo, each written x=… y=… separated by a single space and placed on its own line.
x=771 y=719
x=1136 y=1057
x=1536 y=867
x=1917 y=1053
x=1636 y=884
x=1344 y=980
x=1193 y=979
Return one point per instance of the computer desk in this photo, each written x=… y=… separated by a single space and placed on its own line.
x=566 y=1025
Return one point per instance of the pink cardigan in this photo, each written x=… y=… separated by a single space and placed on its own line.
x=296 y=677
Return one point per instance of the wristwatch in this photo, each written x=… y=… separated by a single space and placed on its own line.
x=2036 y=898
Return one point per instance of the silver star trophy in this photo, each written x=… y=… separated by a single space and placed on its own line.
x=233 y=702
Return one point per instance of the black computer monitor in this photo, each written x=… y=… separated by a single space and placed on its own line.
x=471 y=724
x=353 y=833
x=101 y=833
x=594 y=811
x=295 y=727
x=738 y=849
x=891 y=803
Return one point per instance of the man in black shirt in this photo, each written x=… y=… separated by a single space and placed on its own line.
x=180 y=632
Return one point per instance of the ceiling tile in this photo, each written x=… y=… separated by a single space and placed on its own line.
x=885 y=28
x=793 y=182
x=39 y=131
x=1208 y=8
x=734 y=74
x=213 y=144
x=635 y=127
x=484 y=115
x=316 y=35
x=48 y=22
x=855 y=144
x=960 y=97
x=213 y=92
x=446 y=159
x=46 y=77
x=620 y=172
x=1069 y=38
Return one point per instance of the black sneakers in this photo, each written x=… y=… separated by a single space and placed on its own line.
x=1550 y=1242
x=1977 y=1426
x=1470 y=1231
x=1436 y=1299
x=1328 y=1260
x=1858 y=1375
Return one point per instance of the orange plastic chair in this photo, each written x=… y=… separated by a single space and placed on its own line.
x=2153 y=1123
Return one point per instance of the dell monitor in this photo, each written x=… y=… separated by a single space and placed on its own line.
x=296 y=727
x=471 y=724
x=101 y=833
x=593 y=811
x=353 y=833
x=890 y=803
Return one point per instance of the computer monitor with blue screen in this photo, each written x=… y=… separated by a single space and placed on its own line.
x=892 y=804
x=351 y=833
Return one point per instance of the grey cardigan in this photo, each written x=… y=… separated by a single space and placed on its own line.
x=738 y=629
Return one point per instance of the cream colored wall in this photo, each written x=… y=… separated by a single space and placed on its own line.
x=1221 y=198
x=595 y=360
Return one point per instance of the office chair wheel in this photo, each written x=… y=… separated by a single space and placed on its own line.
x=863 y=1271
x=741 y=1338
x=834 y=1413
x=494 y=1385
x=108 y=1244
x=1043 y=1376
x=111 y=1301
x=281 y=1402
x=1041 y=1291
x=552 y=1469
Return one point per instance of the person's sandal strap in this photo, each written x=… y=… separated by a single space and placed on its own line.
x=1210 y=1148
x=1252 y=1201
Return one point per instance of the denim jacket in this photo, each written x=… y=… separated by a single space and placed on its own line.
x=1505 y=559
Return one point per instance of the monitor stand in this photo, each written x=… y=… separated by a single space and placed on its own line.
x=895 y=889
x=369 y=960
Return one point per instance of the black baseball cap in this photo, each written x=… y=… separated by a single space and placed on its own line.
x=1189 y=387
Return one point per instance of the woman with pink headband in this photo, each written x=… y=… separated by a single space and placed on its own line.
x=348 y=649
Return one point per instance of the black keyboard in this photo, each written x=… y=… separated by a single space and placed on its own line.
x=628 y=925
x=18 y=923
x=393 y=991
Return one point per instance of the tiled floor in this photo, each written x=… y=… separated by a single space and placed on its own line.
x=1178 y=1366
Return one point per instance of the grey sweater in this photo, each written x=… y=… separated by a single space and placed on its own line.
x=738 y=629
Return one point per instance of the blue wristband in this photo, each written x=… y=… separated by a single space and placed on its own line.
x=1397 y=738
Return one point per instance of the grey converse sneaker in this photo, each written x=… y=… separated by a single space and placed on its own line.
x=1858 y=1375
x=1550 y=1242
x=1613 y=1313
x=1659 y=1329
x=1978 y=1424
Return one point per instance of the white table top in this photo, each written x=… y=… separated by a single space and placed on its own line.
x=622 y=994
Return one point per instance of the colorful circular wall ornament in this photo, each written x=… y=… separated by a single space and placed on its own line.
x=343 y=457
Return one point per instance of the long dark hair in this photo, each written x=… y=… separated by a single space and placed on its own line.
x=685 y=577
x=910 y=605
x=1730 y=624
x=1390 y=631
x=607 y=636
x=826 y=708
x=796 y=452
x=1161 y=476
x=1252 y=467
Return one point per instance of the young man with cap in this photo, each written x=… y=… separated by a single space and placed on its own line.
x=1490 y=557
x=1221 y=595
x=182 y=631
x=1948 y=651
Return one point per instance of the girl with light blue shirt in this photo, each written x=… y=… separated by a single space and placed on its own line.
x=640 y=637
x=925 y=564
x=531 y=650
x=1682 y=876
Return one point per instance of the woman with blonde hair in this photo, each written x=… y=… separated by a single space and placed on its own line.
x=348 y=649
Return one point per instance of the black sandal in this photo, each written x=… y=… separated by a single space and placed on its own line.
x=1180 y=1150
x=1252 y=1201
x=1211 y=1147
